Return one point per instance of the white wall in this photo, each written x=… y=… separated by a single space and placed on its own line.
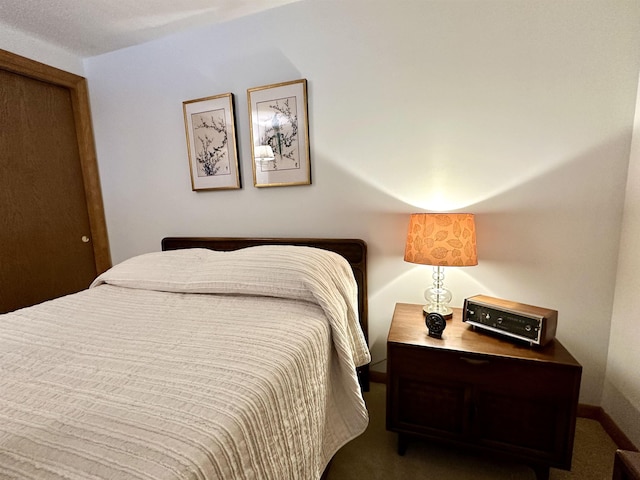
x=621 y=396
x=519 y=112
x=31 y=47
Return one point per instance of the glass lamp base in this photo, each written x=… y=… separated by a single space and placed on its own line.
x=437 y=296
x=443 y=310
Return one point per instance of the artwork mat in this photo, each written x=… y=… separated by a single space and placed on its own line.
x=257 y=97
x=222 y=105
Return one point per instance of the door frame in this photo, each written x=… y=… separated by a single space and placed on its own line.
x=77 y=87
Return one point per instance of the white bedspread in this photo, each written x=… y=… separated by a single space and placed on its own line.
x=139 y=377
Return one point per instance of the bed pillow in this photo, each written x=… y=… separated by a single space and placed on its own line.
x=286 y=271
x=270 y=270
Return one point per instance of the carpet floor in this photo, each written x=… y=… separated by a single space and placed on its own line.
x=373 y=455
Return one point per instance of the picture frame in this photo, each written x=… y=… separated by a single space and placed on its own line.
x=209 y=125
x=279 y=128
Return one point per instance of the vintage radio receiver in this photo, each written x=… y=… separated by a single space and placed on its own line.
x=534 y=325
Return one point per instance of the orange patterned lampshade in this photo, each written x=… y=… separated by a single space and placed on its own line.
x=442 y=239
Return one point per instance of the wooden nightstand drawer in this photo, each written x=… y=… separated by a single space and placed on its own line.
x=501 y=373
x=419 y=362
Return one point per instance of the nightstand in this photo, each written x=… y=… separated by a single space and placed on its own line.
x=474 y=390
x=626 y=465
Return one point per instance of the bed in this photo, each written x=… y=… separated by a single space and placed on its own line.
x=208 y=360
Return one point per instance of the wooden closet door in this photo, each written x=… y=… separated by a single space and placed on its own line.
x=45 y=236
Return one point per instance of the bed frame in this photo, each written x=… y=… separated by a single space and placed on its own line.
x=355 y=251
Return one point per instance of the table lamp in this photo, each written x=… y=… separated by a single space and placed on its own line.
x=441 y=240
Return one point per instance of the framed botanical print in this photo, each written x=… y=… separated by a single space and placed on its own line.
x=211 y=143
x=279 y=134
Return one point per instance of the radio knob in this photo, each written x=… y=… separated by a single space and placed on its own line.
x=500 y=320
x=527 y=328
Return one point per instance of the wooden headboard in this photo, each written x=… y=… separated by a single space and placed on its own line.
x=355 y=251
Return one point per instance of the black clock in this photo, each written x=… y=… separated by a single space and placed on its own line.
x=435 y=324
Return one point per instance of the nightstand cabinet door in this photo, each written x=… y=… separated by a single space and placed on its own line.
x=529 y=411
x=424 y=400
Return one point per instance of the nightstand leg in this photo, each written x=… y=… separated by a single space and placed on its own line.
x=402 y=444
x=542 y=473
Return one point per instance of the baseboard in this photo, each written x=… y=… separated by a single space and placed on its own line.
x=585 y=411
x=377 y=377
x=617 y=435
